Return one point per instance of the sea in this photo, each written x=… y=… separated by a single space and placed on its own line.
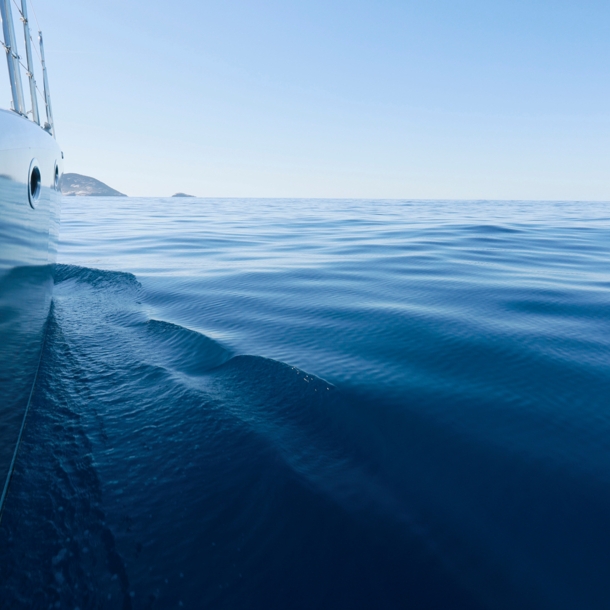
x=319 y=404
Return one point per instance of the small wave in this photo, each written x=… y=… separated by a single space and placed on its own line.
x=490 y=229
x=187 y=350
x=94 y=277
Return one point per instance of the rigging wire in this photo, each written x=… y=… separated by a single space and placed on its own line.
x=33 y=10
x=35 y=16
x=23 y=19
x=7 y=49
x=16 y=51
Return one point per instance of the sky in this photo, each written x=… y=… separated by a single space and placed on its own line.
x=431 y=99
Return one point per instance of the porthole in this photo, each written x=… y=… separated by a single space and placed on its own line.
x=56 y=178
x=34 y=183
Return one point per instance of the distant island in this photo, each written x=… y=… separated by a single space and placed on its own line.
x=182 y=195
x=85 y=186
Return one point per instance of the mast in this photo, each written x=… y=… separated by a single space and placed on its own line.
x=12 y=57
x=30 y=59
x=47 y=95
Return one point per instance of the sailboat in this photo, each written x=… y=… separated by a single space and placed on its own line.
x=31 y=165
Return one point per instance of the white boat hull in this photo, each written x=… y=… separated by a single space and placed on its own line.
x=28 y=239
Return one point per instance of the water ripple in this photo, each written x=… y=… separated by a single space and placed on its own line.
x=330 y=404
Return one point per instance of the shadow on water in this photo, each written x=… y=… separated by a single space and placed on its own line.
x=159 y=469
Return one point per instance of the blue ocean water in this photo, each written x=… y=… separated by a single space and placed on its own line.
x=319 y=404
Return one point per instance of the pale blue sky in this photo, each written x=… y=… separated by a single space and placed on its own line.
x=437 y=99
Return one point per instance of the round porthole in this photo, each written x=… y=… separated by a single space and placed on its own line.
x=34 y=183
x=56 y=178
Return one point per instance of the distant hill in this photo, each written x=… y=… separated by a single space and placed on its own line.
x=182 y=195
x=85 y=186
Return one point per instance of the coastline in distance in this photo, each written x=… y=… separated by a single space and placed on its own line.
x=79 y=185
x=73 y=184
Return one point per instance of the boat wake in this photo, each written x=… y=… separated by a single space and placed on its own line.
x=159 y=468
